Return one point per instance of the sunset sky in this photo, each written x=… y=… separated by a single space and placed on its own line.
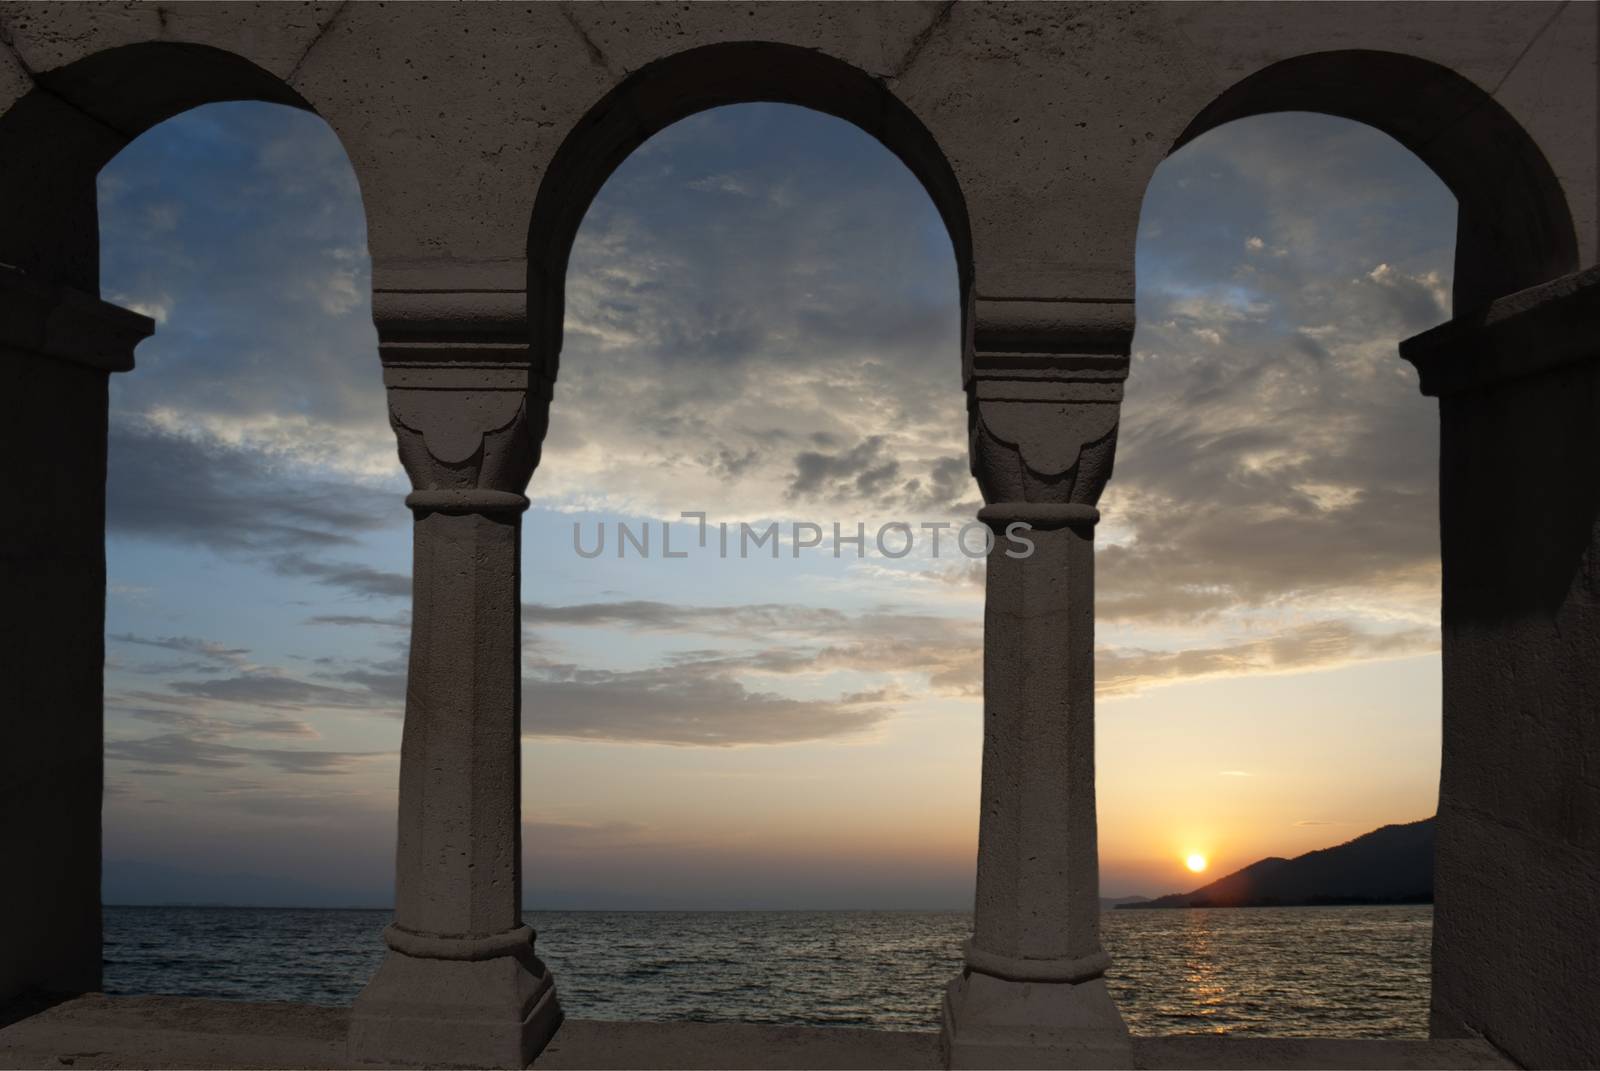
x=762 y=324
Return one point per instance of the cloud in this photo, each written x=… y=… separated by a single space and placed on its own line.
x=351 y=576
x=685 y=704
x=194 y=489
x=268 y=192
x=180 y=751
x=209 y=650
x=651 y=615
x=721 y=184
x=1274 y=450
x=158 y=308
x=196 y=738
x=360 y=621
x=715 y=696
x=198 y=717
x=270 y=689
x=916 y=658
x=745 y=356
x=1320 y=645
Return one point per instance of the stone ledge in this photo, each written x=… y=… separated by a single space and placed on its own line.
x=97 y=1031
x=55 y=321
x=1532 y=331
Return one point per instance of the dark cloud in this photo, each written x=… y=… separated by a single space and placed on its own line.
x=196 y=716
x=208 y=649
x=948 y=483
x=386 y=681
x=195 y=489
x=354 y=578
x=268 y=689
x=661 y=616
x=359 y=621
x=187 y=752
x=694 y=704
x=863 y=471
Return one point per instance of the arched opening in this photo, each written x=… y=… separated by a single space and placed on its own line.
x=1514 y=228
x=762 y=323
x=250 y=468
x=1277 y=489
x=249 y=739
x=708 y=77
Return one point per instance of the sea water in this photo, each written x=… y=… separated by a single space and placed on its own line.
x=1303 y=971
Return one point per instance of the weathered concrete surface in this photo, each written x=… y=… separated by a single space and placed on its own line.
x=100 y=1031
x=172 y=1032
x=1220 y=1052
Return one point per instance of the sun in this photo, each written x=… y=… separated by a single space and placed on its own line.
x=1196 y=862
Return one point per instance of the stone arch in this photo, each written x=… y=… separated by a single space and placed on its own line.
x=55 y=139
x=1514 y=228
x=678 y=86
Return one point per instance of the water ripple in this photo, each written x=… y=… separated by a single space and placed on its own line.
x=1317 y=972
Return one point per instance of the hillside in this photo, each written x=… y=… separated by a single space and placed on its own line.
x=1392 y=865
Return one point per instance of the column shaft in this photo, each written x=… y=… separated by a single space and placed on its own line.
x=1033 y=991
x=461 y=986
x=457 y=866
x=1038 y=872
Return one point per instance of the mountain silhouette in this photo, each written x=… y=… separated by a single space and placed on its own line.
x=1392 y=865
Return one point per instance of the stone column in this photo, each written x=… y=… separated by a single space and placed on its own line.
x=58 y=347
x=1516 y=923
x=1044 y=396
x=461 y=985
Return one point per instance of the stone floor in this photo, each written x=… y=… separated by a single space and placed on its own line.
x=169 y=1032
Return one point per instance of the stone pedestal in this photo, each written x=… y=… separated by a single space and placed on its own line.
x=462 y=1003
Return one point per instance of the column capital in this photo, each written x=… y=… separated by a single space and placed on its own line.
x=1044 y=383
x=66 y=324
x=452 y=310
x=467 y=402
x=1527 y=333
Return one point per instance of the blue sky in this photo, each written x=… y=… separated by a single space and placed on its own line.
x=762 y=324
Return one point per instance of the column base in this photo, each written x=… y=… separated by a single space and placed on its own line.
x=418 y=1011
x=994 y=1022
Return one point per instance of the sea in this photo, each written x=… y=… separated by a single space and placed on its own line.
x=1298 y=971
